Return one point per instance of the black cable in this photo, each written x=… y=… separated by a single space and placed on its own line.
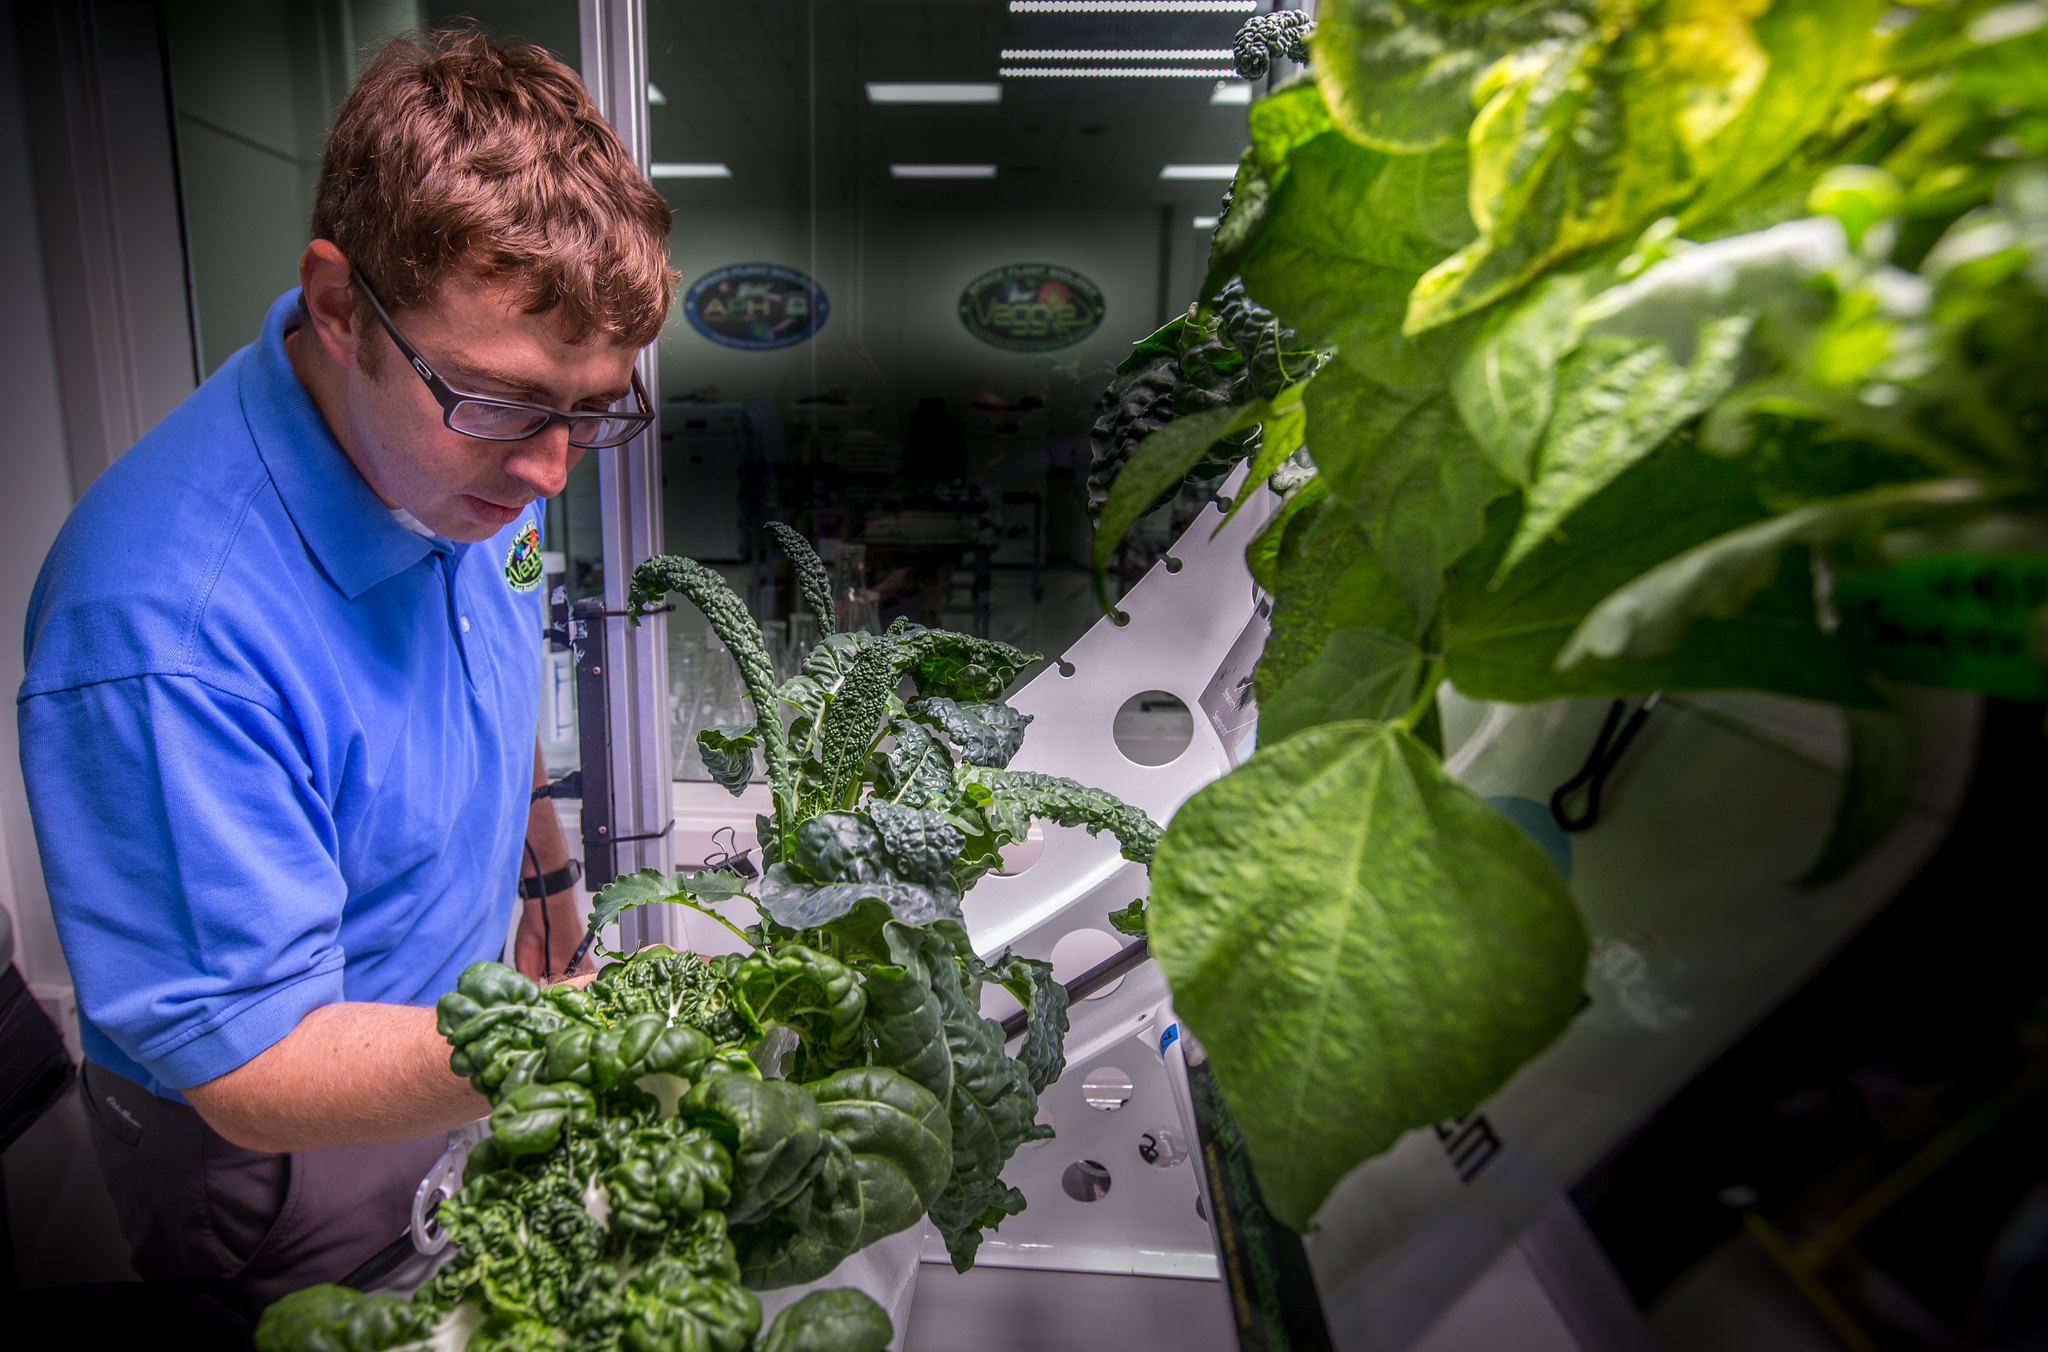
x=547 y=936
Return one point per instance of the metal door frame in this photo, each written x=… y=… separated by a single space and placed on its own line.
x=613 y=37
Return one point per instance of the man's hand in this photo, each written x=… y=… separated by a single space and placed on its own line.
x=349 y=1074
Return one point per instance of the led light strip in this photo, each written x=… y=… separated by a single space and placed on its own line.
x=1116 y=54
x=1116 y=72
x=1133 y=6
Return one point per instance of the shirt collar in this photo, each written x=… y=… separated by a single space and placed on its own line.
x=346 y=526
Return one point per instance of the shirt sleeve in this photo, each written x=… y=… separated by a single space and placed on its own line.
x=192 y=868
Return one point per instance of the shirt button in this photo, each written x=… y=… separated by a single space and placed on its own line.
x=465 y=623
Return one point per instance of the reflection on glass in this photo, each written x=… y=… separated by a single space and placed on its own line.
x=905 y=369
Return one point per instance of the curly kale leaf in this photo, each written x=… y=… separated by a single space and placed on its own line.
x=840 y=858
x=983 y=733
x=812 y=581
x=959 y=666
x=1129 y=919
x=839 y=1320
x=727 y=751
x=1061 y=800
x=925 y=1026
x=681 y=987
x=329 y=1318
x=705 y=589
x=811 y=992
x=849 y=728
x=666 y=1177
x=915 y=770
x=668 y=1308
x=920 y=844
x=1044 y=1053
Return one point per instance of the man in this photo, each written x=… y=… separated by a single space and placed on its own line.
x=278 y=725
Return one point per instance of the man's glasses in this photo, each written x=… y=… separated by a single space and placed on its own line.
x=479 y=415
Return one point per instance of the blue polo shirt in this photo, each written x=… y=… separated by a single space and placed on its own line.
x=278 y=747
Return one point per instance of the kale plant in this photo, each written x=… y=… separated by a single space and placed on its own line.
x=1676 y=346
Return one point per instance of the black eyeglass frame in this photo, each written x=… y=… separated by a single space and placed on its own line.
x=449 y=397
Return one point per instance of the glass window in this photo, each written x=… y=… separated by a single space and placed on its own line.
x=910 y=266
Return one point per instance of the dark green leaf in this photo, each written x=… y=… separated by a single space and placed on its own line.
x=1406 y=466
x=839 y=1320
x=915 y=769
x=919 y=844
x=1617 y=400
x=1648 y=617
x=813 y=582
x=986 y=732
x=1362 y=945
x=1058 y=799
x=1044 y=1051
x=727 y=751
x=1501 y=641
x=771 y=1129
x=799 y=905
x=1129 y=919
x=901 y=1141
x=1326 y=577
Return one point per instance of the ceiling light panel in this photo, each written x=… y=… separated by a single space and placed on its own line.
x=1112 y=72
x=1208 y=173
x=942 y=171
x=1231 y=91
x=1115 y=54
x=935 y=93
x=1133 y=6
x=654 y=94
x=689 y=171
x=1205 y=222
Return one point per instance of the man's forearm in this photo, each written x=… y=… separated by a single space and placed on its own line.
x=349 y=1074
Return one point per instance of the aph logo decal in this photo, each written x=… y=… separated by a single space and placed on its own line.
x=522 y=561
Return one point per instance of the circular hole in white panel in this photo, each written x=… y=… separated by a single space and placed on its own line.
x=1085 y=1181
x=1107 y=1089
x=1023 y=854
x=1153 y=728
x=1162 y=1147
x=1080 y=950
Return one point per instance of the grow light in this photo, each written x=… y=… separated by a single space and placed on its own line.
x=935 y=93
x=942 y=171
x=1207 y=173
x=688 y=171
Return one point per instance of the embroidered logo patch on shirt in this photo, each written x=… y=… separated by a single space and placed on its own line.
x=522 y=560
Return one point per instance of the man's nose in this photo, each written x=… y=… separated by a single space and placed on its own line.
x=542 y=461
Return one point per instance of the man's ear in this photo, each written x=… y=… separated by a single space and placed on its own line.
x=329 y=299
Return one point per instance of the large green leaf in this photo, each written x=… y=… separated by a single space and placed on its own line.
x=925 y=1027
x=1501 y=640
x=1588 y=139
x=1043 y=1053
x=901 y=1139
x=1360 y=673
x=1326 y=577
x=1815 y=48
x=1362 y=945
x=1398 y=76
x=1505 y=383
x=1650 y=615
x=1407 y=467
x=1617 y=400
x=983 y=732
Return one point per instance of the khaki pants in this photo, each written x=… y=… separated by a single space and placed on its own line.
x=243 y=1225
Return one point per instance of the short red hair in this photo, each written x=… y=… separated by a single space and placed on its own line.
x=455 y=155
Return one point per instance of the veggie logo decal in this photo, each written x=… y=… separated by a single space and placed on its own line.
x=756 y=307
x=1031 y=307
x=522 y=561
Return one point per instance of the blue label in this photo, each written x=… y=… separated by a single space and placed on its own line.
x=1169 y=1037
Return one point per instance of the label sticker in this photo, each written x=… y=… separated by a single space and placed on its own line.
x=1031 y=307
x=523 y=563
x=1966 y=621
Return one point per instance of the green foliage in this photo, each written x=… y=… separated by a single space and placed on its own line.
x=1357 y=938
x=1661 y=333
x=829 y=1321
x=812 y=580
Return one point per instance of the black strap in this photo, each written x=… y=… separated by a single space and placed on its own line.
x=1600 y=762
x=561 y=880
